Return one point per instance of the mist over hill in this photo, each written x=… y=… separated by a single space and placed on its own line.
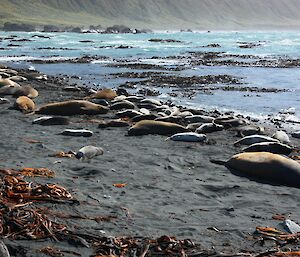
x=157 y=14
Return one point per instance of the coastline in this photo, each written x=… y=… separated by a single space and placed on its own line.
x=172 y=188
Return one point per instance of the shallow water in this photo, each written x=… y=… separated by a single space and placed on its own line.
x=272 y=44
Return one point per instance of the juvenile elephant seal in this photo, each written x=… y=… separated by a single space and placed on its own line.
x=128 y=114
x=24 y=104
x=189 y=137
x=7 y=82
x=199 y=119
x=122 y=105
x=106 y=93
x=151 y=101
x=253 y=139
x=4 y=100
x=77 y=132
x=271 y=147
x=18 y=78
x=26 y=91
x=270 y=167
x=250 y=130
x=144 y=117
x=9 y=90
x=73 y=107
x=146 y=127
x=209 y=128
x=296 y=134
x=49 y=121
x=281 y=136
x=88 y=152
x=230 y=121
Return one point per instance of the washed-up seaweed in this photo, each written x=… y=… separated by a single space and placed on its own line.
x=29 y=172
x=17 y=188
x=27 y=223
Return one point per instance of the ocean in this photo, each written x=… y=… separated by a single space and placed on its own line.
x=136 y=48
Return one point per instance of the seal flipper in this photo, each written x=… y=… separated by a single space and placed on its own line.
x=218 y=162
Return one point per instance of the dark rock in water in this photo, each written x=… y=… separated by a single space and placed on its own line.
x=8 y=26
x=212 y=46
x=40 y=36
x=120 y=29
x=158 y=40
x=86 y=41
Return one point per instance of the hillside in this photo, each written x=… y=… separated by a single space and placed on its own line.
x=157 y=14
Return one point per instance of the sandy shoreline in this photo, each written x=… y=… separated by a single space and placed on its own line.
x=172 y=187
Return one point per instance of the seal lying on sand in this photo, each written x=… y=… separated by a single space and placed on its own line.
x=253 y=139
x=26 y=91
x=271 y=147
x=48 y=121
x=146 y=127
x=269 y=167
x=24 y=104
x=189 y=137
x=72 y=107
x=281 y=136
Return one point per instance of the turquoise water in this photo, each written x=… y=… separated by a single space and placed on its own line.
x=272 y=45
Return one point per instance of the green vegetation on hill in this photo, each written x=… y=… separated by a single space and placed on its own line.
x=156 y=14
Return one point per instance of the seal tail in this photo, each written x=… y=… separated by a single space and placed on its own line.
x=218 y=162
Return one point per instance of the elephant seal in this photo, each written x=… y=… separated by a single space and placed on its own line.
x=26 y=91
x=88 y=152
x=9 y=90
x=189 y=137
x=49 y=121
x=18 y=78
x=144 y=117
x=271 y=147
x=209 y=128
x=193 y=126
x=106 y=93
x=249 y=130
x=146 y=127
x=230 y=121
x=100 y=101
x=122 y=105
x=7 y=82
x=24 y=104
x=253 y=139
x=4 y=100
x=199 y=119
x=151 y=101
x=170 y=118
x=77 y=132
x=269 y=167
x=73 y=107
x=128 y=114
x=296 y=134
x=281 y=136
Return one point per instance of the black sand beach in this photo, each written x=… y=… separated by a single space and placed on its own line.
x=169 y=188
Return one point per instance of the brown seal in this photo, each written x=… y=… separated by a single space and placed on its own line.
x=73 y=107
x=106 y=93
x=269 y=167
x=24 y=104
x=146 y=127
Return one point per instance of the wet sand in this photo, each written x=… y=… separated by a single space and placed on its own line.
x=172 y=187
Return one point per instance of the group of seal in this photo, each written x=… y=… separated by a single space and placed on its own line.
x=260 y=159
